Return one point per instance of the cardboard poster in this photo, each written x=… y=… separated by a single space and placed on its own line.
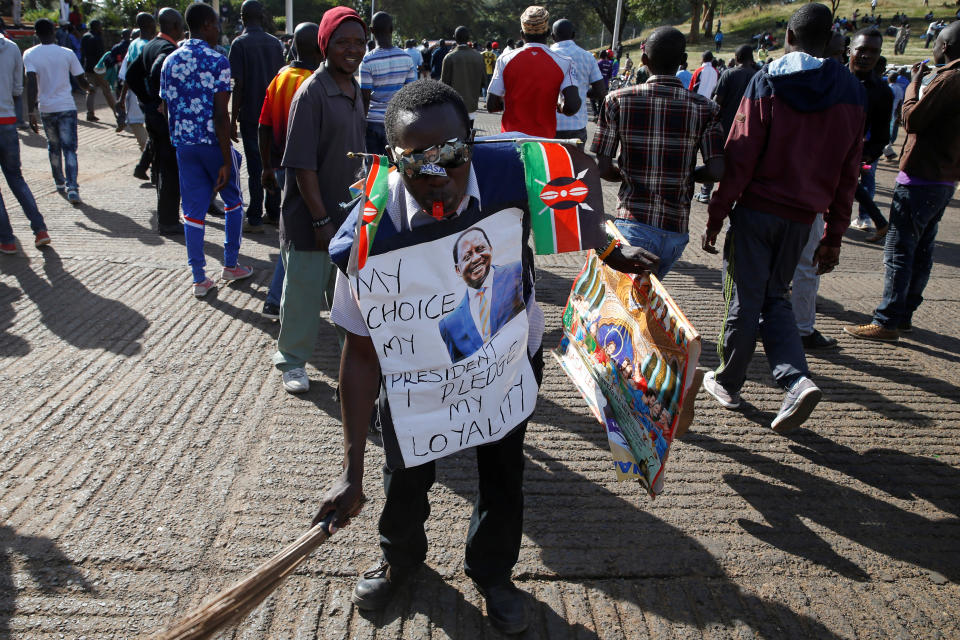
x=632 y=354
x=452 y=340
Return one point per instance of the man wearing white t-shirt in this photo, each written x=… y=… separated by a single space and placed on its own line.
x=49 y=67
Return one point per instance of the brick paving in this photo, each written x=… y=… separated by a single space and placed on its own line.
x=149 y=457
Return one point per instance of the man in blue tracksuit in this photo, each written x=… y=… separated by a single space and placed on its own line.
x=195 y=83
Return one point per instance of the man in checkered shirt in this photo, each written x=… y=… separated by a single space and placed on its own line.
x=658 y=127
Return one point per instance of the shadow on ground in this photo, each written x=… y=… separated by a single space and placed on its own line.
x=791 y=496
x=49 y=568
x=75 y=314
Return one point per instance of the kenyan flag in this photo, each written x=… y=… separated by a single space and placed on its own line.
x=376 y=192
x=563 y=193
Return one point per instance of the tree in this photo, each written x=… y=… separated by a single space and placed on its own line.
x=834 y=5
x=710 y=7
x=696 y=6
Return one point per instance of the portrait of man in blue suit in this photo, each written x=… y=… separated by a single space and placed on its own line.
x=494 y=295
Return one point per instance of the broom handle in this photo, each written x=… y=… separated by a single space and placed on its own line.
x=234 y=603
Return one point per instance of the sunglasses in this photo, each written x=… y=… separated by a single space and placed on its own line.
x=434 y=160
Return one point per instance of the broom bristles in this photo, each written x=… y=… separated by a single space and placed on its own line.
x=231 y=605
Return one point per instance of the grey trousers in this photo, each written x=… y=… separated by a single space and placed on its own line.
x=806 y=282
x=760 y=255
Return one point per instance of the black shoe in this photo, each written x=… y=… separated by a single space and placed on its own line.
x=170 y=229
x=377 y=586
x=505 y=607
x=273 y=222
x=905 y=327
x=141 y=174
x=215 y=210
x=817 y=340
x=271 y=311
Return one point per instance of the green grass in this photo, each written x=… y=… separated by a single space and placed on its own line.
x=740 y=26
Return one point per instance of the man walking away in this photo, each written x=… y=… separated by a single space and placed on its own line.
x=11 y=86
x=411 y=49
x=489 y=62
x=326 y=121
x=527 y=84
x=683 y=73
x=195 y=85
x=587 y=77
x=658 y=126
x=146 y=30
x=91 y=50
x=464 y=70
x=255 y=58
x=705 y=78
x=49 y=69
x=799 y=101
x=143 y=78
x=382 y=72
x=728 y=93
x=718 y=39
x=425 y=52
x=436 y=58
x=929 y=170
x=273 y=133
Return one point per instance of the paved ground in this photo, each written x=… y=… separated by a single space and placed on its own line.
x=148 y=457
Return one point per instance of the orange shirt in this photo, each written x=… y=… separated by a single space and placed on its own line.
x=276 y=102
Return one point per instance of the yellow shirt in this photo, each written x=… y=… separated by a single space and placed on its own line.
x=490 y=60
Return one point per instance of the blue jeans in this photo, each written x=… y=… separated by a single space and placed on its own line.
x=10 y=164
x=61 y=131
x=251 y=149
x=376 y=138
x=666 y=245
x=908 y=254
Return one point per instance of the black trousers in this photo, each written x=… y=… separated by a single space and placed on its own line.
x=496 y=526
x=165 y=166
x=146 y=157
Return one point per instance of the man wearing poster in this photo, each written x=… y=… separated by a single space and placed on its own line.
x=428 y=408
x=493 y=295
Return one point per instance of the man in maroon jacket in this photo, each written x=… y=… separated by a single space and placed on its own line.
x=793 y=150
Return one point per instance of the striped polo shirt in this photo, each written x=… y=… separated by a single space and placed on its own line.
x=384 y=72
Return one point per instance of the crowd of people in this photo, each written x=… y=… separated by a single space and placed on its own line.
x=789 y=145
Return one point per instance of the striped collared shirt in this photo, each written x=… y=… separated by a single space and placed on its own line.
x=384 y=72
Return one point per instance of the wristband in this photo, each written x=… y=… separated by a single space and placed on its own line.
x=614 y=244
x=316 y=224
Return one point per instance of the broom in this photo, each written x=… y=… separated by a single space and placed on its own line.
x=231 y=605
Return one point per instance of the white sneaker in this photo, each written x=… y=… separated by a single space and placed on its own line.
x=296 y=380
x=726 y=399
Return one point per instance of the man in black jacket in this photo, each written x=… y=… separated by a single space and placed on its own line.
x=864 y=54
x=255 y=58
x=728 y=93
x=91 y=49
x=143 y=78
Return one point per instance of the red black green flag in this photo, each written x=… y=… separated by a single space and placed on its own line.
x=564 y=196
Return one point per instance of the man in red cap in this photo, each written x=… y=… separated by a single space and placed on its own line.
x=326 y=121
